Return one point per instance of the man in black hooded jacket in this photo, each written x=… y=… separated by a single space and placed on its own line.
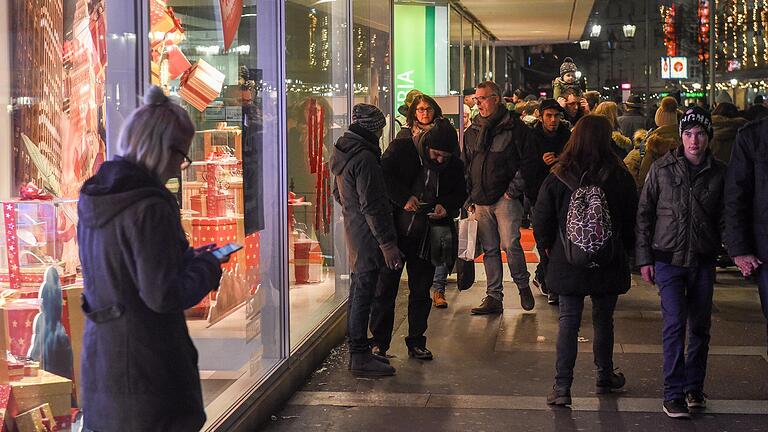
x=371 y=237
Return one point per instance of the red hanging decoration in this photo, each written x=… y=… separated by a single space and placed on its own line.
x=703 y=33
x=670 y=33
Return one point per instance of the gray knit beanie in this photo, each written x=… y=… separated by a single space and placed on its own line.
x=368 y=117
x=567 y=66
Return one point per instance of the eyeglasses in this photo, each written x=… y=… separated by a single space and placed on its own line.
x=424 y=110
x=481 y=99
x=187 y=161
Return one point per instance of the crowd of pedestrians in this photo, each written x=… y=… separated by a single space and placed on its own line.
x=608 y=189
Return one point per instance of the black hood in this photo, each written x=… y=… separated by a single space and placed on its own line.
x=349 y=145
x=117 y=185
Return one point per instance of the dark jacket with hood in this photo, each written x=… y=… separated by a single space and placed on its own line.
x=549 y=219
x=139 y=366
x=360 y=189
x=492 y=154
x=725 y=129
x=680 y=219
x=746 y=193
x=534 y=170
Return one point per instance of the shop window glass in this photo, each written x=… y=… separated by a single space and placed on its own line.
x=468 y=47
x=370 y=57
x=317 y=69
x=52 y=72
x=58 y=58
x=454 y=38
x=477 y=55
x=220 y=58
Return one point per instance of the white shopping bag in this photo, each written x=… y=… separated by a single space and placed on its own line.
x=467 y=238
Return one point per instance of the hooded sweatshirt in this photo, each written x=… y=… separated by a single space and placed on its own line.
x=359 y=188
x=139 y=366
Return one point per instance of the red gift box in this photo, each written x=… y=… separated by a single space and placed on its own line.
x=177 y=61
x=308 y=261
x=20 y=316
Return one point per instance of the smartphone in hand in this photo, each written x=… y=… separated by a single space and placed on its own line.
x=223 y=253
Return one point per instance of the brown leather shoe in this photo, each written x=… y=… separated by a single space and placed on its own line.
x=438 y=299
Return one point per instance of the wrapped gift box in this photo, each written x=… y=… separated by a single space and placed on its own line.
x=308 y=261
x=38 y=419
x=201 y=84
x=29 y=393
x=162 y=20
x=37 y=234
x=177 y=61
x=74 y=323
x=19 y=315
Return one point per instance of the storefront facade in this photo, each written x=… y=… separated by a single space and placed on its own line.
x=269 y=86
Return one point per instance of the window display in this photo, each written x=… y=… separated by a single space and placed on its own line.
x=317 y=69
x=219 y=59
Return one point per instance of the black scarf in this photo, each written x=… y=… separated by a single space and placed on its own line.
x=487 y=125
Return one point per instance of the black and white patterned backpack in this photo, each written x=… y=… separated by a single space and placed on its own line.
x=588 y=237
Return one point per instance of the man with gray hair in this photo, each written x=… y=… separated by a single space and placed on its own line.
x=493 y=150
x=369 y=228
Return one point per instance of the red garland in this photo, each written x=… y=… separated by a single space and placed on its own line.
x=12 y=244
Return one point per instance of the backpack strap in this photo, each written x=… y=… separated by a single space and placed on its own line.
x=569 y=180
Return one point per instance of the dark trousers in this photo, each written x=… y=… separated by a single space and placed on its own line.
x=686 y=300
x=361 y=293
x=420 y=275
x=571 y=308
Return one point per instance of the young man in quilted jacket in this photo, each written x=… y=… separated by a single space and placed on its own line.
x=680 y=219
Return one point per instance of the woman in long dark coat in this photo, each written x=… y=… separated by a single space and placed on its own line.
x=139 y=366
x=588 y=156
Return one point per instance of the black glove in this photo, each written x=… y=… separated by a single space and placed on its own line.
x=392 y=256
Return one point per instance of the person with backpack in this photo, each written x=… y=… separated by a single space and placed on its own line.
x=679 y=223
x=588 y=192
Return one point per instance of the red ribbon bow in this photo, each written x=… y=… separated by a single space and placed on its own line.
x=30 y=192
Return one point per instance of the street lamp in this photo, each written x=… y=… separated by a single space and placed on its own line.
x=584 y=44
x=595 y=33
x=629 y=30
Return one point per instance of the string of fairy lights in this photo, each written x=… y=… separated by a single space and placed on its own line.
x=741 y=27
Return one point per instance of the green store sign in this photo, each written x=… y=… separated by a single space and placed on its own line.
x=414 y=50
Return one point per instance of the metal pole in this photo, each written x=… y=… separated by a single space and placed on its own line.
x=712 y=53
x=647 y=56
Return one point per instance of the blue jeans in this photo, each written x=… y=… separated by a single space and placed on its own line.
x=441 y=279
x=571 y=308
x=498 y=228
x=362 y=288
x=686 y=299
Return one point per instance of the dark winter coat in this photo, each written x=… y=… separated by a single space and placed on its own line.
x=533 y=169
x=631 y=121
x=139 y=366
x=491 y=166
x=726 y=129
x=549 y=219
x=360 y=189
x=401 y=165
x=746 y=193
x=679 y=219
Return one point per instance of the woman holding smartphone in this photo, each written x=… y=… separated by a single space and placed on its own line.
x=139 y=366
x=425 y=184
